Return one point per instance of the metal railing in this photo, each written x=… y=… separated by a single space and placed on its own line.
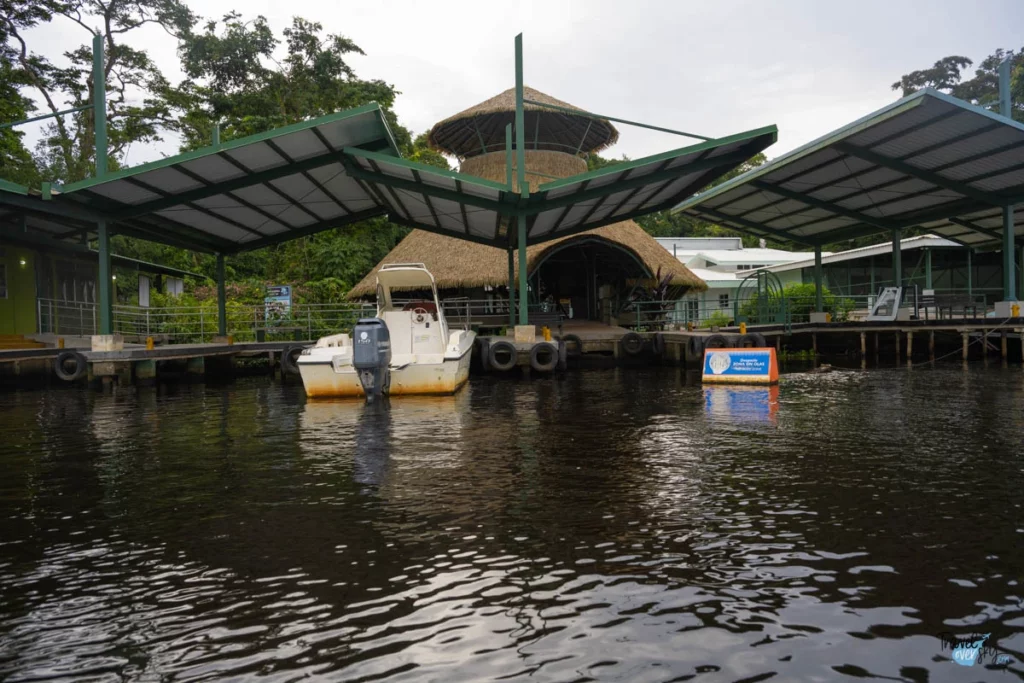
x=184 y=324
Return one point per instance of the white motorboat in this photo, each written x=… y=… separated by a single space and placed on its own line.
x=417 y=352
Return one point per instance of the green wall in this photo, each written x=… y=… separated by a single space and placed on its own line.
x=18 y=309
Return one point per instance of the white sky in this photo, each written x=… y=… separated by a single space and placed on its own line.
x=715 y=69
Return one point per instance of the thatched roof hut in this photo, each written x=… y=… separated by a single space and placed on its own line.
x=459 y=264
x=481 y=129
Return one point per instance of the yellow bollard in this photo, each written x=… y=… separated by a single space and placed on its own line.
x=149 y=343
x=546 y=331
x=743 y=328
x=231 y=339
x=1015 y=311
x=60 y=342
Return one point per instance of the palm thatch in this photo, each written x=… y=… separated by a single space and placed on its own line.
x=481 y=128
x=459 y=264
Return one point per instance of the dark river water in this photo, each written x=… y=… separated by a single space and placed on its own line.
x=606 y=525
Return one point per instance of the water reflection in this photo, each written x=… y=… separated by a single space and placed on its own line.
x=611 y=524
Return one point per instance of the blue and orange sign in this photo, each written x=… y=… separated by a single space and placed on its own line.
x=741 y=366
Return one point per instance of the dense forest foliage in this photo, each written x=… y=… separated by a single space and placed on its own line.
x=243 y=76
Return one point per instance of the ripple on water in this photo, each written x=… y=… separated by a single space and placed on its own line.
x=613 y=525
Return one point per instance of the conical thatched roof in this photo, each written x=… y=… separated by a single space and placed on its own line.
x=481 y=128
x=458 y=264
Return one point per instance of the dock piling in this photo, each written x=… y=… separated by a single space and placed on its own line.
x=899 y=356
x=931 y=345
x=1002 y=345
x=863 y=344
x=910 y=347
x=965 y=338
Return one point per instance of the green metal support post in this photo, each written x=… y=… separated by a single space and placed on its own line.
x=897 y=259
x=970 y=272
x=524 y=192
x=222 y=313
x=511 y=260
x=819 y=302
x=1009 y=276
x=928 y=269
x=871 y=267
x=511 y=288
x=106 y=283
x=99 y=118
x=99 y=110
x=1020 y=272
x=215 y=138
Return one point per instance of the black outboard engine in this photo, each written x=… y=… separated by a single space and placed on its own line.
x=371 y=356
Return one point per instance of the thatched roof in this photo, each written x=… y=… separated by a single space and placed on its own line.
x=458 y=264
x=548 y=129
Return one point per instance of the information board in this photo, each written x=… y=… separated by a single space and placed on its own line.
x=741 y=366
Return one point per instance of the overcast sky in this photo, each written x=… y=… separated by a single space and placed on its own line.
x=713 y=68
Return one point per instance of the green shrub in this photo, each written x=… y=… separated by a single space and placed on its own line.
x=800 y=302
x=717 y=319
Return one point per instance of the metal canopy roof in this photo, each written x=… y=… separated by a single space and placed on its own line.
x=243 y=194
x=479 y=210
x=926 y=160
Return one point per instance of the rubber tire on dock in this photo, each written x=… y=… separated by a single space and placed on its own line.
x=484 y=346
x=632 y=343
x=537 y=355
x=658 y=343
x=577 y=345
x=695 y=347
x=290 y=359
x=752 y=340
x=717 y=341
x=81 y=365
x=503 y=347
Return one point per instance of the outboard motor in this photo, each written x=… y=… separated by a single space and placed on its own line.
x=371 y=356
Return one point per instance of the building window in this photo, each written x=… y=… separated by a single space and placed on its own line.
x=723 y=301
x=692 y=309
x=3 y=281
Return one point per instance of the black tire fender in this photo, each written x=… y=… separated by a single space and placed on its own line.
x=751 y=340
x=484 y=347
x=576 y=348
x=695 y=346
x=290 y=359
x=658 y=343
x=717 y=341
x=81 y=365
x=499 y=349
x=544 y=357
x=632 y=343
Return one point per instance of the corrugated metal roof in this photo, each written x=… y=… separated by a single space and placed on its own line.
x=908 y=244
x=922 y=159
x=470 y=208
x=240 y=195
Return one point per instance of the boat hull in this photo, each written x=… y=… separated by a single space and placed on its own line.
x=321 y=381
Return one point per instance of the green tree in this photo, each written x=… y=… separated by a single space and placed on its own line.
x=946 y=75
x=136 y=111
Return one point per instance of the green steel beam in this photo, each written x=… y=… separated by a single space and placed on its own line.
x=583 y=195
x=45 y=116
x=819 y=300
x=897 y=258
x=821 y=204
x=511 y=288
x=923 y=174
x=963 y=223
x=524 y=191
x=228 y=185
x=757 y=228
x=1009 y=276
x=106 y=284
x=590 y=115
x=222 y=312
x=336 y=222
x=927 y=268
x=99 y=110
x=508 y=157
x=970 y=273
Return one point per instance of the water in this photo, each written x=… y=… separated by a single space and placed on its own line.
x=608 y=525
